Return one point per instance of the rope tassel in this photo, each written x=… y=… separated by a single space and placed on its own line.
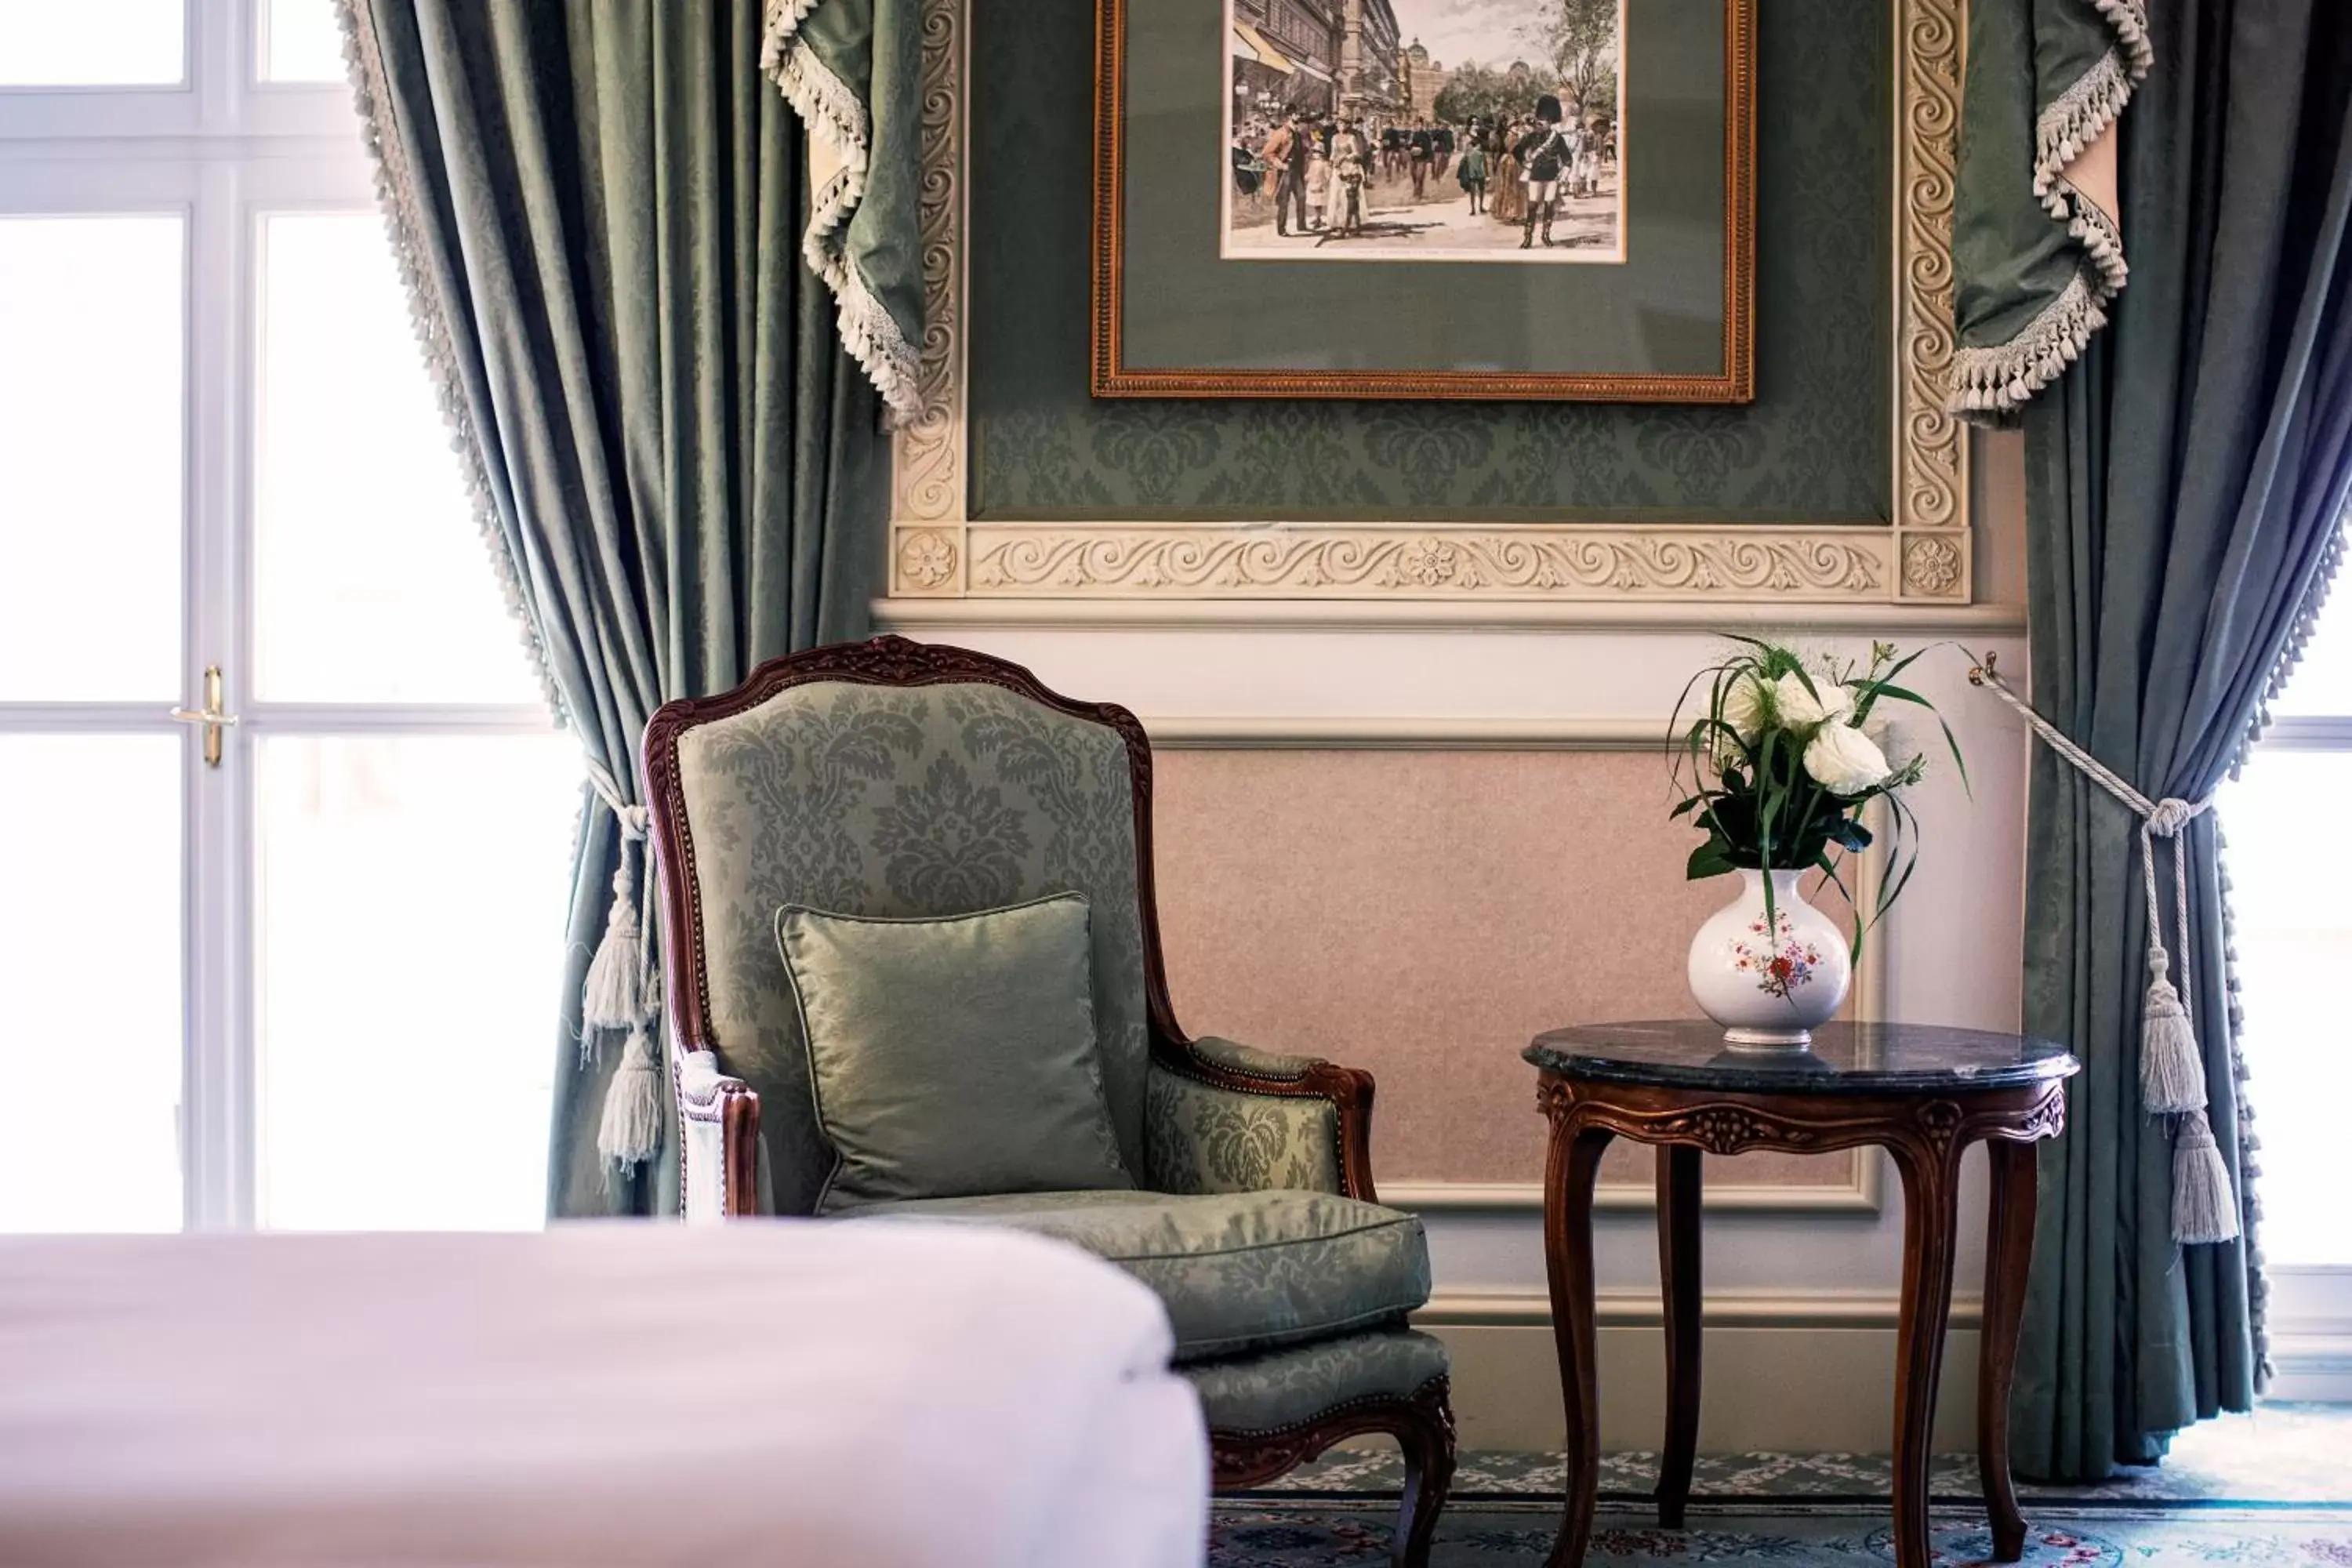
x=2171 y=1066
x=630 y=1132
x=621 y=994
x=2202 y=1207
x=614 y=997
x=2171 y=1069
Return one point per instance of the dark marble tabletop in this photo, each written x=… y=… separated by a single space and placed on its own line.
x=1845 y=1058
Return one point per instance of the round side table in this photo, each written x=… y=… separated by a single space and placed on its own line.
x=1923 y=1093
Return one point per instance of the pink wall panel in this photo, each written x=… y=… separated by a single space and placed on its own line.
x=1422 y=914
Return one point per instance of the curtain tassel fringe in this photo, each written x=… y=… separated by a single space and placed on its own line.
x=631 y=1130
x=621 y=993
x=2171 y=1068
x=614 y=997
x=2203 y=1209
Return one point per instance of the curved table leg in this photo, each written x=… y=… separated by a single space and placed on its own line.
x=1930 y=1215
x=2008 y=1254
x=1573 y=1167
x=1678 y=1277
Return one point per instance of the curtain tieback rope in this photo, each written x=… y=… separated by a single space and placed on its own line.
x=2171 y=1066
x=623 y=992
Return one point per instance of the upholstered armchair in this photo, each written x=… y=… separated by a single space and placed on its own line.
x=895 y=779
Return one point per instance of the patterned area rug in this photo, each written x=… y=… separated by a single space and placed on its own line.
x=2282 y=1453
x=1498 y=1533
x=2273 y=1488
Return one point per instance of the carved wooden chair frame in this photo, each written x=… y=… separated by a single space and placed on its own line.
x=1423 y=1423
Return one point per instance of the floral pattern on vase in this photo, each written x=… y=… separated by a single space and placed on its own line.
x=1771 y=980
x=1781 y=970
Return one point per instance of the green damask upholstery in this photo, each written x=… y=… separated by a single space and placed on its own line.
x=1199 y=1138
x=1238 y=1271
x=1276 y=1388
x=922 y=801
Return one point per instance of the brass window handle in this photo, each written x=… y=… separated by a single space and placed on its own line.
x=211 y=716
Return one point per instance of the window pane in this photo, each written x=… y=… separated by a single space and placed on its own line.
x=300 y=41
x=373 y=584
x=2295 y=944
x=75 y=42
x=91 y=401
x=411 y=899
x=2321 y=686
x=90 y=957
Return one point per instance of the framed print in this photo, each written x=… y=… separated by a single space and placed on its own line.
x=1531 y=199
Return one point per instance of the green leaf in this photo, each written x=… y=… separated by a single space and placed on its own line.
x=1953 y=745
x=1712 y=858
x=1887 y=896
x=1805 y=678
x=1769 y=802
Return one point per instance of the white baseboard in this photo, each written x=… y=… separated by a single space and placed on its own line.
x=1810 y=1372
x=2312 y=1367
x=1638 y=1309
x=2311 y=1334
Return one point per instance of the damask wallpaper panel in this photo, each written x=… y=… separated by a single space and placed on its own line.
x=1813 y=448
x=1424 y=915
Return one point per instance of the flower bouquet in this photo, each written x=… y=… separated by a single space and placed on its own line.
x=1781 y=768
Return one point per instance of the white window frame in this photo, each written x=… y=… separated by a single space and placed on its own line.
x=224 y=150
x=2311 y=1304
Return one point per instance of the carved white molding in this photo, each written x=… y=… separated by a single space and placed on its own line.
x=1382 y=559
x=1381 y=732
x=1920 y=559
x=928 y=480
x=1640 y=1307
x=950 y=617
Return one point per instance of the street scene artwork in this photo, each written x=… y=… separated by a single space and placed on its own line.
x=1426 y=130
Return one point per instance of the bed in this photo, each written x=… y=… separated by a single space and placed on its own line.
x=600 y=1395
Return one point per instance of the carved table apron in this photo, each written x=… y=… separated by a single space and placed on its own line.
x=1870 y=1085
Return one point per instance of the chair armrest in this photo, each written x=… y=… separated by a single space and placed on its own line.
x=719 y=1121
x=1220 y=1116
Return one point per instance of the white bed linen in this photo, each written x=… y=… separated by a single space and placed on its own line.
x=600 y=1396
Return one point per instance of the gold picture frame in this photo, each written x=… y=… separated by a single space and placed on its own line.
x=1113 y=377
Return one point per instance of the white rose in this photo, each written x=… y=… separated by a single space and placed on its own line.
x=1743 y=708
x=1826 y=703
x=1842 y=759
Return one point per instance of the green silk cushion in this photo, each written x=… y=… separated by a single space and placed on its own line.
x=954 y=1056
x=1237 y=1271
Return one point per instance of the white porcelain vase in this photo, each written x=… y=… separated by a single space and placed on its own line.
x=1770 y=985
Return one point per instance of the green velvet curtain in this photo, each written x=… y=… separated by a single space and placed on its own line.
x=2037 y=252
x=853 y=69
x=2187 y=478
x=600 y=206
